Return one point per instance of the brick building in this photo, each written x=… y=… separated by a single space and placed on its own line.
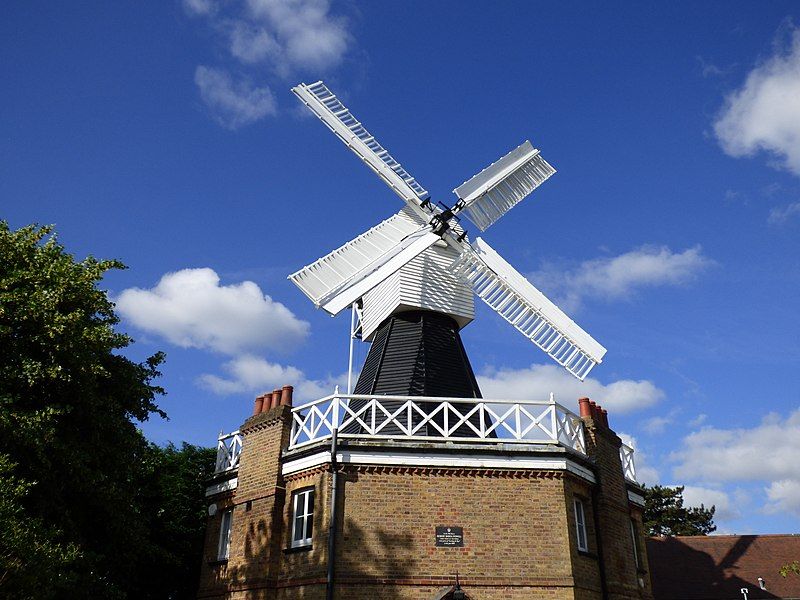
x=719 y=567
x=534 y=502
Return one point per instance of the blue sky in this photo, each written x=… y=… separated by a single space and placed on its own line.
x=164 y=134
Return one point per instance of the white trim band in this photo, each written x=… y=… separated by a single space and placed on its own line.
x=440 y=459
x=224 y=486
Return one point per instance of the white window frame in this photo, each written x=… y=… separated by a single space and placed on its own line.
x=225 y=526
x=580 y=525
x=302 y=508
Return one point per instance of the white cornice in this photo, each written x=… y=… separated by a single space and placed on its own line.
x=440 y=460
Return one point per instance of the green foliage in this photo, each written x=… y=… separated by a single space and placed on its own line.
x=665 y=514
x=81 y=489
x=792 y=567
x=175 y=505
x=33 y=564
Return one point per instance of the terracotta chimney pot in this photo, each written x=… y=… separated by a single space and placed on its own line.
x=286 y=396
x=276 y=397
x=584 y=406
x=259 y=405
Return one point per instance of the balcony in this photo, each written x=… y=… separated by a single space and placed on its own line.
x=433 y=419
x=407 y=417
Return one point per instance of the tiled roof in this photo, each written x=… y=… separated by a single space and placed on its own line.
x=717 y=567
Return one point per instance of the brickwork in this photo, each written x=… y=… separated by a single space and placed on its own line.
x=520 y=532
x=258 y=508
x=613 y=514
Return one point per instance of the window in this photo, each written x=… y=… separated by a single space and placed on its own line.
x=302 y=517
x=225 y=535
x=635 y=539
x=580 y=526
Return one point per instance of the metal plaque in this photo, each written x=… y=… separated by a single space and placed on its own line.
x=450 y=537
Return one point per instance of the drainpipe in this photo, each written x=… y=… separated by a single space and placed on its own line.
x=597 y=535
x=332 y=521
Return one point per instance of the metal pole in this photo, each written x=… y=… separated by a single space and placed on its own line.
x=332 y=520
x=350 y=360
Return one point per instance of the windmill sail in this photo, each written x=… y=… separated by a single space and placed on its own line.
x=503 y=184
x=504 y=289
x=340 y=278
x=341 y=121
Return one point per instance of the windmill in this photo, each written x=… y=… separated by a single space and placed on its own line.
x=414 y=275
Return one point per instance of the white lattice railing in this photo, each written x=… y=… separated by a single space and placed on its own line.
x=450 y=419
x=229 y=448
x=626 y=457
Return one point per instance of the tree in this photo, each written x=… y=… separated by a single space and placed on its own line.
x=175 y=504
x=73 y=459
x=32 y=563
x=665 y=514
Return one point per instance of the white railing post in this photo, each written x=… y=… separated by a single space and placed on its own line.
x=581 y=435
x=553 y=417
x=335 y=407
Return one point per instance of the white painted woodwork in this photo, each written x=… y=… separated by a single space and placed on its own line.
x=326 y=278
x=628 y=466
x=515 y=299
x=338 y=118
x=503 y=184
x=498 y=421
x=426 y=282
x=437 y=459
x=398 y=265
x=229 y=448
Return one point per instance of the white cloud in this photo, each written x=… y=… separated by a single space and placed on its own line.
x=251 y=43
x=233 y=103
x=764 y=114
x=645 y=472
x=190 y=308
x=537 y=381
x=263 y=37
x=784 y=496
x=252 y=374
x=618 y=277
x=766 y=453
x=309 y=36
x=726 y=510
x=199 y=7
x=657 y=424
x=698 y=420
x=781 y=214
x=285 y=35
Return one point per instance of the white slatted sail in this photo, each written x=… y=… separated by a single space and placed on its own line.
x=340 y=278
x=504 y=289
x=341 y=121
x=503 y=184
